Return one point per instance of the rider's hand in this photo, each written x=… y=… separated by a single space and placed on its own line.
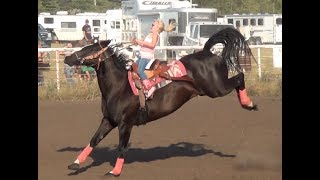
x=134 y=41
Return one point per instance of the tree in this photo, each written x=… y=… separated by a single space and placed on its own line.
x=50 y=6
x=65 y=5
x=40 y=6
x=84 y=5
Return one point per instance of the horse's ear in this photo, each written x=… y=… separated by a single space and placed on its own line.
x=105 y=43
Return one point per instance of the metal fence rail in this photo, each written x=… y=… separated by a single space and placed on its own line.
x=56 y=63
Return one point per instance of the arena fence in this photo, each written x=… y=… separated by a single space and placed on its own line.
x=268 y=61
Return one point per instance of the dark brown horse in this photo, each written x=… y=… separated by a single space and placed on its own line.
x=120 y=108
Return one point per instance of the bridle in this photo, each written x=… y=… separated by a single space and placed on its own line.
x=98 y=54
x=94 y=56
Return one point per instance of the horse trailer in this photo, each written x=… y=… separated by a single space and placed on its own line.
x=65 y=27
x=257 y=28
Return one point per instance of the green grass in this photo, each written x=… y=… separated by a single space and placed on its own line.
x=269 y=84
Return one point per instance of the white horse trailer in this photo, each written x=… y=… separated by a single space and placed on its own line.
x=66 y=27
x=257 y=28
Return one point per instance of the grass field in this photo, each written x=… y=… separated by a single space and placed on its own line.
x=268 y=84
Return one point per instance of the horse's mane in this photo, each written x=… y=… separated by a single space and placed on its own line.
x=119 y=58
x=95 y=45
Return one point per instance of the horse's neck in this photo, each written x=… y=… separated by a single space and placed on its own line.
x=110 y=77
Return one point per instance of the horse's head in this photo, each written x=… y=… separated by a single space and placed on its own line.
x=96 y=39
x=88 y=55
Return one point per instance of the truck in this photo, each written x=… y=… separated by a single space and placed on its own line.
x=198 y=33
x=44 y=36
x=257 y=28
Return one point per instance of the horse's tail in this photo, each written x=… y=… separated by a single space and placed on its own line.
x=234 y=45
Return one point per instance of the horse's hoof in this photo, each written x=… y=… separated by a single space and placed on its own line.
x=74 y=166
x=111 y=174
x=251 y=108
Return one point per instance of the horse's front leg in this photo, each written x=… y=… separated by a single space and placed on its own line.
x=104 y=129
x=124 y=136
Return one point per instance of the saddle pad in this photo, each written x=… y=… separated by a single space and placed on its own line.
x=177 y=69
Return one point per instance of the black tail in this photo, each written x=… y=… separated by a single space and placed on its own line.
x=234 y=45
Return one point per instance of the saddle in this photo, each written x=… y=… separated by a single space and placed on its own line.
x=156 y=69
x=158 y=73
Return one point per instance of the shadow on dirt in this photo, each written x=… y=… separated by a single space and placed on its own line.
x=106 y=154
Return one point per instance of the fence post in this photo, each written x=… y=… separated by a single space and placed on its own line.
x=259 y=63
x=277 y=57
x=57 y=70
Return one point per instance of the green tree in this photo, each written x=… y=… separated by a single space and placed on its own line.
x=50 y=6
x=83 y=5
x=65 y=5
x=104 y=5
x=40 y=6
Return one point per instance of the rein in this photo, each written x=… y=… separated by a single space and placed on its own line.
x=95 y=55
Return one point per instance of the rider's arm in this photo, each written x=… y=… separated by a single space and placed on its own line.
x=151 y=45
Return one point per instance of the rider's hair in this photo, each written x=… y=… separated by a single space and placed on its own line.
x=161 y=26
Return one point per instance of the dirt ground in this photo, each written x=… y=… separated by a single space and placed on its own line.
x=206 y=139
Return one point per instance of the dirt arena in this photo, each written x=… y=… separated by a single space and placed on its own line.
x=206 y=139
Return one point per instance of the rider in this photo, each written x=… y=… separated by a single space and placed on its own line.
x=148 y=47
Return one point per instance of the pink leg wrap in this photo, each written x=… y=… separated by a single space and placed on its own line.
x=243 y=97
x=84 y=154
x=118 y=167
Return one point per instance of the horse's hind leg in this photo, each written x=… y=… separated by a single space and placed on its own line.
x=243 y=97
x=104 y=129
x=124 y=136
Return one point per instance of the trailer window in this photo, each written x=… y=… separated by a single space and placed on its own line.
x=182 y=23
x=253 y=22
x=172 y=21
x=68 y=25
x=237 y=23
x=117 y=24
x=202 y=16
x=207 y=30
x=195 y=33
x=95 y=22
x=245 y=22
x=260 y=22
x=230 y=21
x=48 y=20
x=279 y=21
x=96 y=29
x=191 y=30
